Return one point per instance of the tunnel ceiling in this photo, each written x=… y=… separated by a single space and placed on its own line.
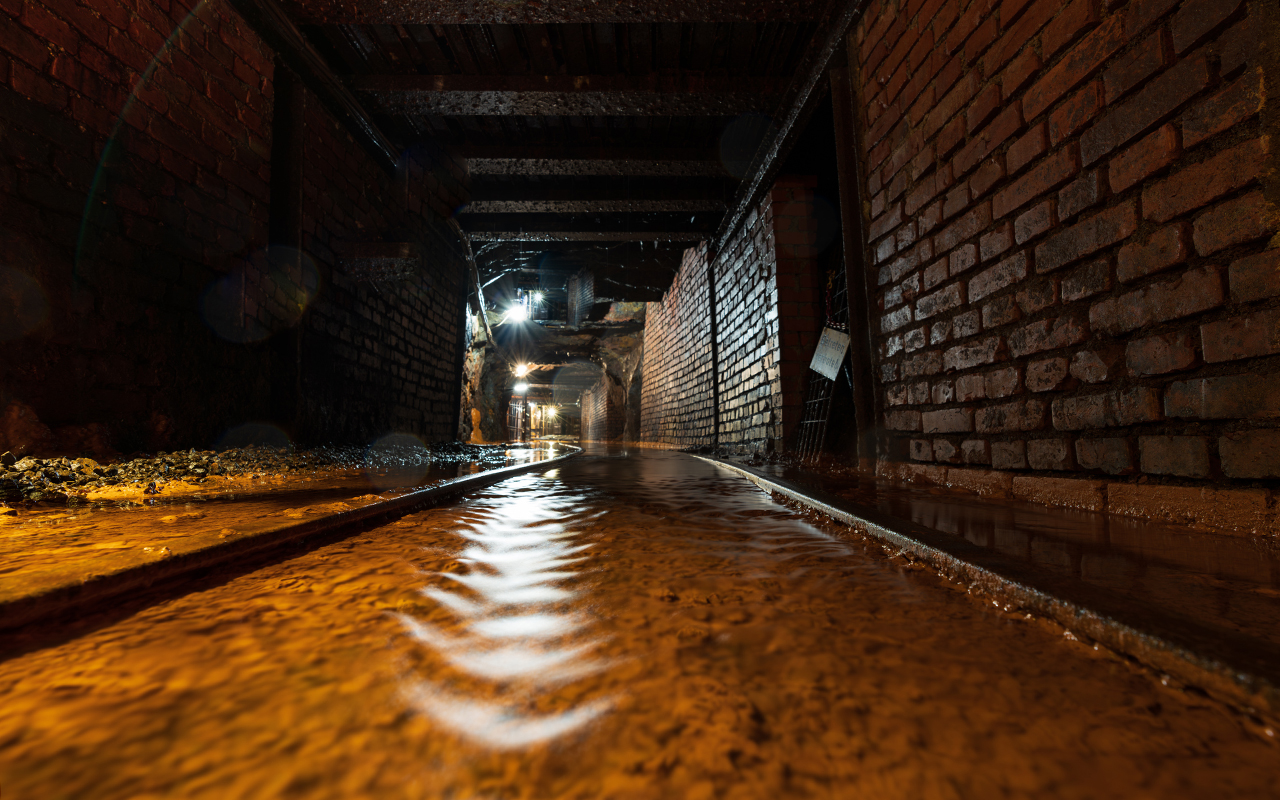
x=601 y=135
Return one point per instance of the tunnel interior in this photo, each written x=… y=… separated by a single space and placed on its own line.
x=726 y=398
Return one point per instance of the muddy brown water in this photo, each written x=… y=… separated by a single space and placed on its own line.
x=626 y=625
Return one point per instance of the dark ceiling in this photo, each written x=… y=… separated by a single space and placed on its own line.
x=599 y=135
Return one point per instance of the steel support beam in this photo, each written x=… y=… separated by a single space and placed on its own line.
x=592 y=206
x=270 y=22
x=593 y=222
x=569 y=95
x=489 y=12
x=588 y=236
x=618 y=167
x=794 y=111
x=487 y=188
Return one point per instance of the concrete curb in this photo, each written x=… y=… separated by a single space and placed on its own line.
x=72 y=598
x=1077 y=607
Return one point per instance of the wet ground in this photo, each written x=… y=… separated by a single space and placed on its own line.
x=43 y=546
x=638 y=626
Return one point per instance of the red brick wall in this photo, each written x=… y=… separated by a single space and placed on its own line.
x=1068 y=225
x=166 y=115
x=677 y=395
x=602 y=418
x=767 y=319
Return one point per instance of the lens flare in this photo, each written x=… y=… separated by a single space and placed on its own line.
x=23 y=306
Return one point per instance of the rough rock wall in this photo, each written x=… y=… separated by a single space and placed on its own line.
x=1070 y=204
x=602 y=411
x=134 y=213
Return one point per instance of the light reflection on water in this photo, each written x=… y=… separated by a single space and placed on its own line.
x=519 y=626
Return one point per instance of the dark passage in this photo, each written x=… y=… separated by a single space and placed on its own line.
x=629 y=624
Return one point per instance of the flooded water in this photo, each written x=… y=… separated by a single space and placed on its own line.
x=46 y=546
x=637 y=625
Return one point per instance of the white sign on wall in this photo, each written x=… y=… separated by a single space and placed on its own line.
x=830 y=353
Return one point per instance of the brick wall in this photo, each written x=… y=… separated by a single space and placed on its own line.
x=767 y=320
x=1069 y=217
x=163 y=316
x=677 y=395
x=602 y=417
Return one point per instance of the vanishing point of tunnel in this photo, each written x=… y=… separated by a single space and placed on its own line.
x=639 y=399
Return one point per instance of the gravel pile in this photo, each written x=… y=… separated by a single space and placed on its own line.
x=58 y=480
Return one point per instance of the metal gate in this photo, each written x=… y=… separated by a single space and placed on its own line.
x=811 y=433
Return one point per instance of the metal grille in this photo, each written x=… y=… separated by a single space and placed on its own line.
x=811 y=434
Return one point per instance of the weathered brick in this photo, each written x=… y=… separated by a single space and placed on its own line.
x=1165 y=248
x=1144 y=12
x=929 y=363
x=1158 y=98
x=1195 y=291
x=1037 y=295
x=1001 y=311
x=1047 y=334
x=1044 y=177
x=969 y=387
x=1035 y=221
x=1250 y=454
x=1050 y=454
x=975 y=451
x=1077 y=112
x=963 y=258
x=1087 y=237
x=1255 y=277
x=996 y=242
x=1022 y=415
x=1223 y=111
x=983 y=107
x=1150 y=155
x=1068 y=25
x=966 y=324
x=915 y=339
x=1020 y=71
x=1238 y=46
x=1199 y=184
x=1009 y=455
x=940 y=302
x=957 y=200
x=1094 y=366
x=1112 y=456
x=895 y=320
x=1197 y=18
x=1078 y=63
x=1161 y=354
x=1187 y=456
x=918 y=393
x=1237 y=221
x=1078 y=195
x=1086 y=281
x=1229 y=397
x=1006 y=273
x=1003 y=382
x=936 y=273
x=996 y=133
x=951 y=420
x=986 y=176
x=1134 y=67
x=945 y=452
x=967 y=356
x=1113 y=409
x=1033 y=144
x=966 y=227
x=1242 y=337
x=921 y=450
x=943 y=392
x=1047 y=375
x=902 y=420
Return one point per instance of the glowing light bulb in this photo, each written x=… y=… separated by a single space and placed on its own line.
x=517 y=313
x=537 y=297
x=522 y=370
x=551 y=411
x=521 y=388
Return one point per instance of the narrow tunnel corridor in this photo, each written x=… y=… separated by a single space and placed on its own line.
x=639 y=399
x=627 y=624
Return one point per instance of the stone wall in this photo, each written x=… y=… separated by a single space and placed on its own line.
x=1070 y=207
x=135 y=207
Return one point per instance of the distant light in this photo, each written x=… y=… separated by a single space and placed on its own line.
x=522 y=370
x=533 y=405
x=517 y=313
x=537 y=297
x=521 y=388
x=551 y=411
